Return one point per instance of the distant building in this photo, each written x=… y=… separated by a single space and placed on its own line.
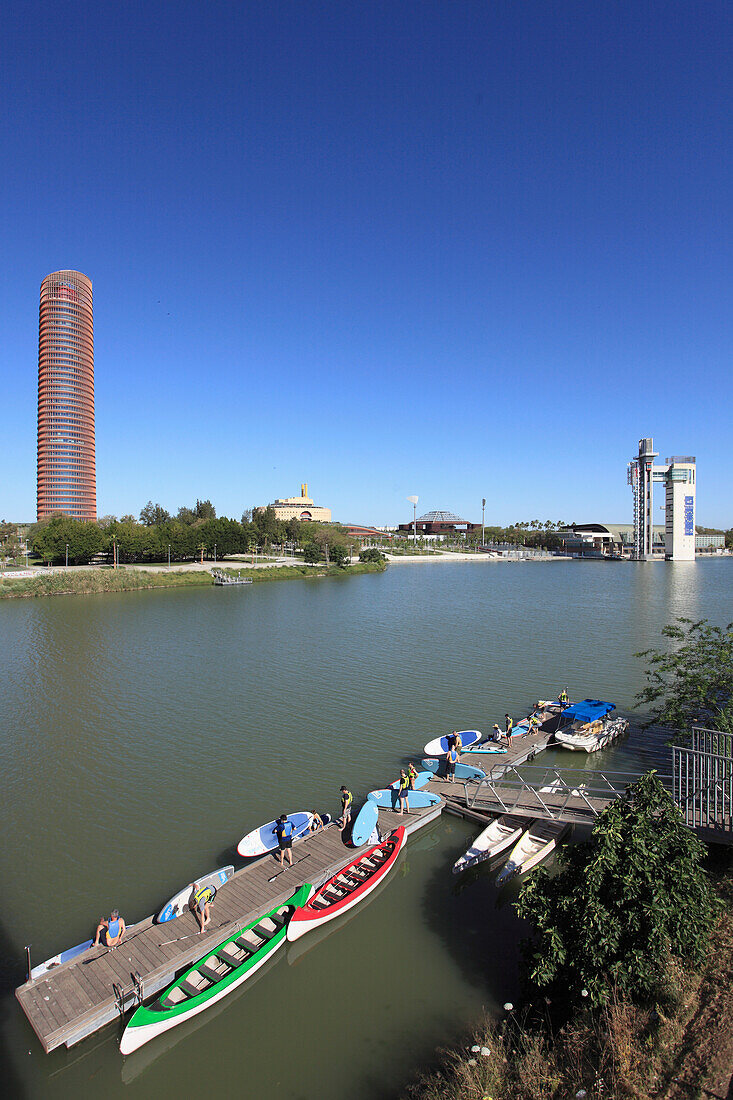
x=302 y=508
x=709 y=542
x=67 y=480
x=607 y=539
x=365 y=534
x=679 y=477
x=439 y=523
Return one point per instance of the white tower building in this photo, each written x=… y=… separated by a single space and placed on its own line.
x=679 y=476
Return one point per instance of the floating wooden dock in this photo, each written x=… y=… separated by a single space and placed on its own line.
x=81 y=996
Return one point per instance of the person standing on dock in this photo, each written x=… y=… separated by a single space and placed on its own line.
x=532 y=725
x=563 y=698
x=411 y=775
x=347 y=800
x=284 y=830
x=509 y=728
x=403 y=791
x=450 y=764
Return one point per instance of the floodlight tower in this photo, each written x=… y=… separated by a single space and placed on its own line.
x=413 y=501
x=641 y=480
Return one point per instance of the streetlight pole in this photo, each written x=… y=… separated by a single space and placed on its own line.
x=67 y=555
x=483 y=507
x=413 y=501
x=214 y=553
x=169 y=555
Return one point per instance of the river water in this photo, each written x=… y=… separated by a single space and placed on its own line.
x=141 y=735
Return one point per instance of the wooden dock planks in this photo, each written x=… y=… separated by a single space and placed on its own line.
x=78 y=998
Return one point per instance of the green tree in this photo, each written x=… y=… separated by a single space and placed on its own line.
x=152 y=515
x=693 y=680
x=339 y=555
x=622 y=904
x=372 y=555
x=311 y=553
x=205 y=510
x=50 y=538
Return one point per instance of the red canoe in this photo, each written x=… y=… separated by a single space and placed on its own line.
x=349 y=886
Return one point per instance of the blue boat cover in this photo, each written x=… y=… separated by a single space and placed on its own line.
x=587 y=711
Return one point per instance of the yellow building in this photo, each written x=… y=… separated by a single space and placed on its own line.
x=301 y=507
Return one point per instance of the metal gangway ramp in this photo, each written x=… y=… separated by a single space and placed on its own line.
x=576 y=795
x=703 y=783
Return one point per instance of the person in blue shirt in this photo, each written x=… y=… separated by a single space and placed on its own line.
x=112 y=930
x=450 y=764
x=284 y=830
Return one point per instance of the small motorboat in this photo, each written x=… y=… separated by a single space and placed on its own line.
x=348 y=887
x=588 y=727
x=218 y=973
x=498 y=835
x=532 y=848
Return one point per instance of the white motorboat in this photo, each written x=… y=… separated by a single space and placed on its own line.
x=498 y=835
x=587 y=726
x=532 y=848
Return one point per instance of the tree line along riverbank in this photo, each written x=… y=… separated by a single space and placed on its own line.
x=96 y=581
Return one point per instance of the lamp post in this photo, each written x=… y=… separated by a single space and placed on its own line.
x=413 y=501
x=214 y=553
x=483 y=507
x=67 y=555
x=114 y=551
x=169 y=555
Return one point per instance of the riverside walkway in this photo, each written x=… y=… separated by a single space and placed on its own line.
x=77 y=998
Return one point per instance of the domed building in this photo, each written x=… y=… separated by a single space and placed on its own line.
x=302 y=508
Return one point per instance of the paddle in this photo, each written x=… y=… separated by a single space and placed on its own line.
x=293 y=864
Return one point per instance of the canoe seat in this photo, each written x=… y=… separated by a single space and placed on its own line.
x=279 y=919
x=228 y=959
x=262 y=932
x=188 y=989
x=209 y=973
x=245 y=945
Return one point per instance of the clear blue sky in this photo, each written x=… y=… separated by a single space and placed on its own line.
x=453 y=249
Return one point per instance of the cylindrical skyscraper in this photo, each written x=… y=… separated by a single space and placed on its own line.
x=67 y=480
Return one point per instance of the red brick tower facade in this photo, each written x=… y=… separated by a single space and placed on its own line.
x=67 y=480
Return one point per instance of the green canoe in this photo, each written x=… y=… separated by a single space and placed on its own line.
x=219 y=972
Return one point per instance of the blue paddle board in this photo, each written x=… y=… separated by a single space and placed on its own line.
x=416 y=800
x=263 y=840
x=440 y=744
x=463 y=771
x=365 y=823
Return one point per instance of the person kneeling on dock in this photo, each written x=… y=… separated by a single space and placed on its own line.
x=113 y=930
x=201 y=902
x=284 y=830
x=317 y=823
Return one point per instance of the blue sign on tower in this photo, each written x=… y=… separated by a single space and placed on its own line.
x=689 y=515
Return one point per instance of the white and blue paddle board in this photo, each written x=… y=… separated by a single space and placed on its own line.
x=416 y=800
x=365 y=823
x=57 y=960
x=440 y=744
x=421 y=780
x=179 y=902
x=263 y=840
x=463 y=771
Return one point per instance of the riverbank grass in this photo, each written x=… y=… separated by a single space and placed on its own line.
x=96 y=581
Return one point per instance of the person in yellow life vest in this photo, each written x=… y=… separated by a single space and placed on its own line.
x=533 y=725
x=412 y=775
x=200 y=903
x=403 y=790
x=509 y=728
x=563 y=697
x=347 y=800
